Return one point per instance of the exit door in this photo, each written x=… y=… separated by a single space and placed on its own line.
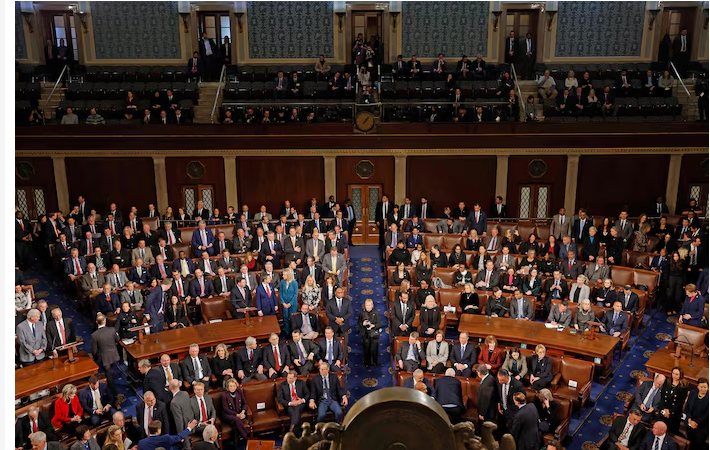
x=364 y=198
x=534 y=201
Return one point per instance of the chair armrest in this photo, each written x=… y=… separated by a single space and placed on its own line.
x=279 y=408
x=585 y=391
x=556 y=380
x=562 y=430
x=249 y=415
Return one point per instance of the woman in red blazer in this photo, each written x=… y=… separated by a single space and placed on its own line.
x=67 y=411
x=491 y=355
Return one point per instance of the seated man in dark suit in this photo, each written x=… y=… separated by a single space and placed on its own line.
x=276 y=357
x=303 y=353
x=97 y=400
x=107 y=302
x=564 y=104
x=307 y=322
x=463 y=356
x=163 y=249
x=87 y=245
x=292 y=395
x=616 y=322
x=571 y=267
x=327 y=393
x=626 y=432
x=410 y=354
x=249 y=362
x=399 y=68
x=629 y=300
x=648 y=397
x=418 y=377
x=414 y=238
x=139 y=274
x=658 y=438
x=330 y=350
x=447 y=391
x=478 y=68
x=34 y=421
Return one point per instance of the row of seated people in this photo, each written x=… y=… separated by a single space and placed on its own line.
x=464 y=69
x=266 y=115
x=458 y=113
x=338 y=87
x=449 y=88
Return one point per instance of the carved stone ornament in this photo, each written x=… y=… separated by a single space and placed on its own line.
x=386 y=419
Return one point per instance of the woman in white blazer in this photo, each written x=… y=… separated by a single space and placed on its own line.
x=437 y=353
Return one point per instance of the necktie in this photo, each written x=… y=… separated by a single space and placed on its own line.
x=505 y=396
x=626 y=430
x=170 y=373
x=616 y=316
x=278 y=361
x=142 y=253
x=251 y=355
x=198 y=366
x=293 y=393
x=202 y=287
x=463 y=349
x=33 y=329
x=162 y=271
x=488 y=278
x=326 y=388
x=34 y=426
x=170 y=238
x=62 y=334
x=203 y=410
x=656 y=443
x=150 y=417
x=77 y=267
x=649 y=398
x=330 y=353
x=301 y=357
x=179 y=284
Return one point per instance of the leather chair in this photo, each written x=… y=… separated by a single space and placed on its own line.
x=186 y=234
x=622 y=275
x=572 y=369
x=683 y=333
x=469 y=257
x=638 y=258
x=673 y=219
x=228 y=231
x=647 y=278
x=184 y=247
x=430 y=226
x=503 y=226
x=451 y=297
x=470 y=404
x=432 y=239
x=154 y=222
x=526 y=228
x=446 y=274
x=450 y=240
x=543 y=231
x=217 y=308
x=262 y=410
x=564 y=415
x=410 y=270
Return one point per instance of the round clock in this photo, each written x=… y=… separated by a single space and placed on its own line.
x=365 y=121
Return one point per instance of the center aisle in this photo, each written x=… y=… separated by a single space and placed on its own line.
x=367 y=282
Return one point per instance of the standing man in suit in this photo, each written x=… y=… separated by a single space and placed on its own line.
x=393 y=236
x=477 y=220
x=463 y=356
x=181 y=411
x=271 y=251
x=195 y=367
x=681 y=51
x=626 y=432
x=338 y=312
x=23 y=239
x=266 y=303
x=59 y=330
x=382 y=212
x=581 y=226
x=151 y=409
x=403 y=313
x=209 y=55
x=96 y=400
x=104 y=343
x=507 y=387
x=648 y=397
x=615 y=322
x=32 y=339
x=571 y=267
x=626 y=228
x=561 y=225
x=658 y=438
x=315 y=247
x=292 y=395
x=629 y=300
x=155 y=306
x=499 y=210
x=524 y=427
x=487 y=399
x=511 y=48
x=529 y=57
x=143 y=253
x=327 y=394
x=202 y=238
x=335 y=264
x=240 y=297
x=447 y=391
x=294 y=248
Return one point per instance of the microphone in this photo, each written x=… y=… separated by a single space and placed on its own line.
x=691 y=347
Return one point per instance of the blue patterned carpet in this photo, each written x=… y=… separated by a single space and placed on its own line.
x=367 y=282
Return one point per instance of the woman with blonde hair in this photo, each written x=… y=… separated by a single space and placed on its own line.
x=289 y=298
x=641 y=238
x=222 y=364
x=310 y=293
x=114 y=436
x=423 y=269
x=67 y=411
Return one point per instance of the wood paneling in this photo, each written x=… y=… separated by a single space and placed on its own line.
x=125 y=181
x=43 y=178
x=608 y=183
x=271 y=180
x=345 y=174
x=445 y=180
x=693 y=171
x=554 y=177
x=176 y=169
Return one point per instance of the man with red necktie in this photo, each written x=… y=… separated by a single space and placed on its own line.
x=292 y=395
x=75 y=266
x=266 y=298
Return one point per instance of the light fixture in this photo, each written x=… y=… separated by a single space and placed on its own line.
x=652 y=17
x=340 y=15
x=82 y=18
x=239 y=16
x=28 y=20
x=495 y=22
x=394 y=15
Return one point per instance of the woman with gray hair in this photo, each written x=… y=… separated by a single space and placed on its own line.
x=584 y=315
x=579 y=290
x=547 y=411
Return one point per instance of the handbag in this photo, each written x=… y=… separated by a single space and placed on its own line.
x=374 y=333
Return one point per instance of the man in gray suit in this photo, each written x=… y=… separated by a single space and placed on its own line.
x=91 y=281
x=393 y=236
x=449 y=226
x=597 y=272
x=103 y=348
x=521 y=307
x=335 y=264
x=116 y=278
x=315 y=247
x=648 y=397
x=294 y=248
x=561 y=225
x=181 y=410
x=560 y=315
x=249 y=276
x=131 y=295
x=626 y=229
x=39 y=440
x=142 y=252
x=262 y=213
x=202 y=408
x=32 y=339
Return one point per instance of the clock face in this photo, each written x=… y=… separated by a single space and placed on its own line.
x=365 y=121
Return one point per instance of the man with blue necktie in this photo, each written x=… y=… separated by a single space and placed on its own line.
x=414 y=239
x=615 y=323
x=657 y=439
x=330 y=350
x=326 y=391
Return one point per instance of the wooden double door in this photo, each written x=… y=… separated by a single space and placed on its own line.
x=364 y=198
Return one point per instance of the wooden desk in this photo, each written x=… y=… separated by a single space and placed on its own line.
x=261 y=445
x=663 y=362
x=176 y=342
x=37 y=377
x=532 y=333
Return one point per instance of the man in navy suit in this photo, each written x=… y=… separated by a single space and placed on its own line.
x=271 y=251
x=648 y=397
x=691 y=313
x=169 y=442
x=327 y=393
x=463 y=356
x=87 y=245
x=629 y=300
x=194 y=65
x=615 y=322
x=202 y=239
x=151 y=409
x=660 y=263
x=155 y=305
x=96 y=399
x=414 y=239
x=477 y=220
x=107 y=302
x=657 y=439
x=200 y=287
x=447 y=391
x=266 y=304
x=139 y=274
x=338 y=311
x=418 y=377
x=581 y=226
x=626 y=432
x=184 y=265
x=330 y=350
x=524 y=428
x=75 y=266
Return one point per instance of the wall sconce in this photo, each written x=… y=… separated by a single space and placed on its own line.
x=82 y=18
x=185 y=20
x=239 y=16
x=495 y=22
x=28 y=20
x=340 y=21
x=394 y=15
x=652 y=17
x=550 y=17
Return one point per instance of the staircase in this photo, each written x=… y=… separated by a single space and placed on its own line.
x=51 y=108
x=203 y=110
x=527 y=88
x=690 y=104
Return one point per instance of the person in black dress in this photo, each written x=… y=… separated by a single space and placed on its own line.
x=673 y=395
x=469 y=302
x=128 y=241
x=429 y=318
x=424 y=269
x=547 y=411
x=540 y=368
x=126 y=319
x=674 y=293
x=369 y=324
x=696 y=413
x=175 y=314
x=222 y=365
x=400 y=275
x=457 y=257
x=438 y=259
x=131 y=106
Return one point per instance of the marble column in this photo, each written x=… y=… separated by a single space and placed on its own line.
x=62 y=185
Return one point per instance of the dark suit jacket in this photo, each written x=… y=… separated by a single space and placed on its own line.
x=633 y=304
x=647 y=443
x=621 y=324
x=404 y=350
x=284 y=394
x=144 y=277
x=159 y=412
x=470 y=355
x=104 y=306
x=53 y=339
x=576 y=270
x=331 y=312
x=480 y=226
x=397 y=318
x=487 y=398
x=318 y=275
x=103 y=346
x=190 y=265
x=317 y=391
x=590 y=247
x=24 y=429
x=577 y=224
x=309 y=346
x=447 y=391
x=87 y=400
x=524 y=428
x=219 y=286
x=168 y=252
x=69 y=265
x=297 y=321
x=244 y=363
x=337 y=350
x=154 y=381
x=409 y=383
x=268 y=356
x=189 y=371
x=515 y=386
x=195 y=290
x=635 y=439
